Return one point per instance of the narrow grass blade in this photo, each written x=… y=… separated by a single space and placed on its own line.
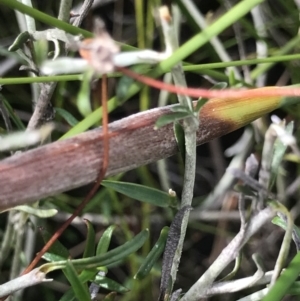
x=90 y=241
x=80 y=289
x=110 y=257
x=142 y=193
x=110 y=284
x=153 y=255
x=104 y=241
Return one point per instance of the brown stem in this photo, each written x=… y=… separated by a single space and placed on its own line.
x=64 y=165
x=103 y=168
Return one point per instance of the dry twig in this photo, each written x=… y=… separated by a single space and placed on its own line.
x=64 y=165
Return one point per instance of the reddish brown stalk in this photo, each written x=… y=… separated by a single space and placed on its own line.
x=195 y=92
x=102 y=171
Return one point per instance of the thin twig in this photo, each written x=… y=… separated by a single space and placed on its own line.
x=64 y=165
x=228 y=254
x=83 y=12
x=30 y=279
x=43 y=110
x=43 y=107
x=20 y=228
x=242 y=149
x=237 y=285
x=190 y=125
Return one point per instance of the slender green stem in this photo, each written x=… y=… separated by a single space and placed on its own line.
x=29 y=20
x=215 y=41
x=140 y=26
x=45 y=79
x=64 y=10
x=149 y=31
x=285 y=246
x=90 y=120
x=272 y=59
x=162 y=169
x=259 y=70
x=188 y=68
x=190 y=126
x=232 y=16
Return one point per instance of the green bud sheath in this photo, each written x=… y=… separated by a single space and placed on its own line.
x=220 y=116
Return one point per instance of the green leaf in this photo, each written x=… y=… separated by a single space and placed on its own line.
x=104 y=241
x=282 y=224
x=219 y=86
x=169 y=118
x=180 y=108
x=231 y=78
x=41 y=51
x=122 y=87
x=180 y=139
x=110 y=284
x=39 y=212
x=153 y=255
x=88 y=275
x=141 y=193
x=58 y=250
x=294 y=289
x=279 y=222
x=200 y=103
x=90 y=240
x=110 y=257
x=125 y=83
x=285 y=281
x=18 y=43
x=85 y=275
x=51 y=257
x=89 y=251
x=67 y=116
x=279 y=151
x=80 y=289
x=83 y=98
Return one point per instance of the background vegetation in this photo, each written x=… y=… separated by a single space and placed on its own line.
x=270 y=30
